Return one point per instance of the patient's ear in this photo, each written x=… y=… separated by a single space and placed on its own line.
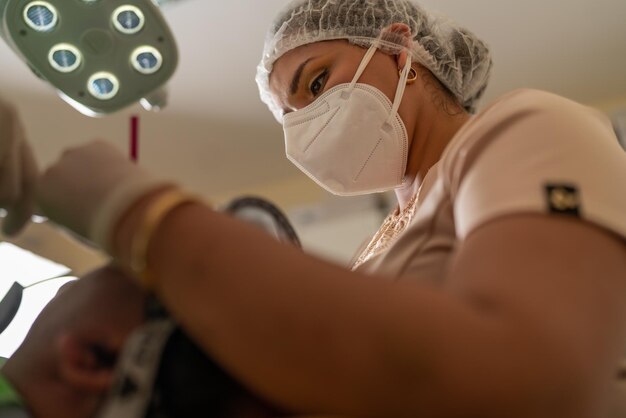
x=81 y=366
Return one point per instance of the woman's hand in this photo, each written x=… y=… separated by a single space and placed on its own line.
x=90 y=188
x=18 y=171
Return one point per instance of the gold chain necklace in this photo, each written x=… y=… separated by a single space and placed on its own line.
x=393 y=226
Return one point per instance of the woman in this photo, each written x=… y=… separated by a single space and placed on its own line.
x=496 y=288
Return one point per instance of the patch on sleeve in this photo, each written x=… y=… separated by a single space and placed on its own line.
x=563 y=199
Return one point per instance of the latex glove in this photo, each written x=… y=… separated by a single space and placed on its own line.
x=18 y=172
x=90 y=188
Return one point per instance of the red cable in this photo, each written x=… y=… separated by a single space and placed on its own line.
x=134 y=138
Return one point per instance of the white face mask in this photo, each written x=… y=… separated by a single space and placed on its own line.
x=351 y=140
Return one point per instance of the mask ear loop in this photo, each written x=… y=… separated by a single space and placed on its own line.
x=364 y=63
x=400 y=90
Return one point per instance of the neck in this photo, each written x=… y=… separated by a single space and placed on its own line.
x=43 y=394
x=434 y=130
x=55 y=400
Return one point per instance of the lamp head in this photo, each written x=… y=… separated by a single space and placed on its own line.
x=100 y=55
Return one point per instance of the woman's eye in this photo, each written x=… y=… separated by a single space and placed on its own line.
x=318 y=84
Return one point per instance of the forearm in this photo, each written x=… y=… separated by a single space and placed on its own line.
x=317 y=338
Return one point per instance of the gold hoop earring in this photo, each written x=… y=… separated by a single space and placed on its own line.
x=412 y=76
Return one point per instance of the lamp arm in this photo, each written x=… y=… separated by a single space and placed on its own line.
x=3 y=6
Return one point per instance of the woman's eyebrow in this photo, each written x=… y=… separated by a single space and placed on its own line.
x=298 y=75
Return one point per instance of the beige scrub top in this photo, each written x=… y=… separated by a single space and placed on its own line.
x=528 y=152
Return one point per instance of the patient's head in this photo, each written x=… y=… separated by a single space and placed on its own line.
x=65 y=365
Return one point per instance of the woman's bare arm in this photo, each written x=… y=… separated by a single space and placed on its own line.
x=529 y=323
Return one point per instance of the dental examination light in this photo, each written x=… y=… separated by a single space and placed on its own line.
x=100 y=55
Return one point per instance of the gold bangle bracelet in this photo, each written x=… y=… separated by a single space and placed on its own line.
x=152 y=219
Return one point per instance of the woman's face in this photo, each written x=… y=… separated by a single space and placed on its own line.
x=303 y=74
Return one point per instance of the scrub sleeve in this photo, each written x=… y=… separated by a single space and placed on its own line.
x=539 y=153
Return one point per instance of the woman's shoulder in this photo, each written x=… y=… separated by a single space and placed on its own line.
x=535 y=152
x=536 y=103
x=524 y=114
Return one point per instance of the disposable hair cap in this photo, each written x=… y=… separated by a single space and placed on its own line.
x=460 y=60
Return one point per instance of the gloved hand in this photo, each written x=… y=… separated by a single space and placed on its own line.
x=18 y=172
x=90 y=188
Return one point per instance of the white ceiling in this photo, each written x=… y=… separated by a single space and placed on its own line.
x=216 y=135
x=573 y=47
